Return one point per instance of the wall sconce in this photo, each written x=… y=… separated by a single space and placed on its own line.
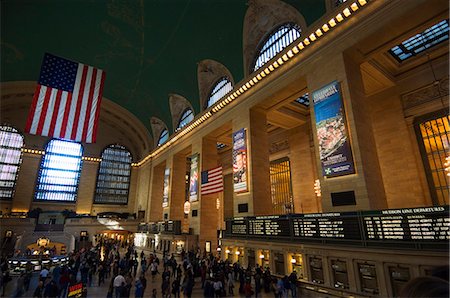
x=219 y=249
x=317 y=188
x=227 y=251
x=261 y=256
x=237 y=252
x=293 y=261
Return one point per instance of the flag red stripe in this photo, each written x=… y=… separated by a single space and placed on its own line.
x=33 y=109
x=89 y=105
x=79 y=103
x=55 y=115
x=97 y=111
x=66 y=115
x=212 y=191
x=48 y=93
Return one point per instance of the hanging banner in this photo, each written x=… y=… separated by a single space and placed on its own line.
x=193 y=178
x=166 y=188
x=334 y=144
x=240 y=161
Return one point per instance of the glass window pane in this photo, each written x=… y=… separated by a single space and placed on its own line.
x=11 y=143
x=114 y=176
x=60 y=171
x=163 y=137
x=282 y=37
x=420 y=42
x=185 y=118
x=221 y=88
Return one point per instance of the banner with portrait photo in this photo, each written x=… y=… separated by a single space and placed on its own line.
x=193 y=178
x=240 y=181
x=334 y=142
x=166 y=188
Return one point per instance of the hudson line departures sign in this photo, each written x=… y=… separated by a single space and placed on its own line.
x=334 y=143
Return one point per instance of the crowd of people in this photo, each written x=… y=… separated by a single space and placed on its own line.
x=122 y=268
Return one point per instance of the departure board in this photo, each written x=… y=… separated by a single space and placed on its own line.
x=427 y=227
x=416 y=224
x=327 y=225
x=237 y=226
x=269 y=226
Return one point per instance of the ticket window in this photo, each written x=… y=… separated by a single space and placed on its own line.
x=399 y=276
x=264 y=259
x=251 y=258
x=316 y=268
x=368 y=278
x=280 y=267
x=229 y=255
x=297 y=264
x=340 y=275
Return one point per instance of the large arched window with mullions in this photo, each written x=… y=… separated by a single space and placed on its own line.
x=220 y=89
x=185 y=118
x=163 y=137
x=113 y=180
x=281 y=37
x=11 y=143
x=59 y=174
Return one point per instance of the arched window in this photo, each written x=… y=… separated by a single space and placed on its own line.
x=11 y=142
x=222 y=87
x=282 y=37
x=185 y=118
x=163 y=137
x=59 y=173
x=113 y=180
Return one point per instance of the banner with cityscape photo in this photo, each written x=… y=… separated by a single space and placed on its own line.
x=240 y=161
x=193 y=178
x=334 y=144
x=166 y=188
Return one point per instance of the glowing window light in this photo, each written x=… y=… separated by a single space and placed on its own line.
x=282 y=37
x=11 y=143
x=113 y=179
x=185 y=118
x=59 y=173
x=221 y=88
x=163 y=137
x=418 y=43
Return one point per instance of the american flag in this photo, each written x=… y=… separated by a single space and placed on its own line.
x=212 y=181
x=66 y=103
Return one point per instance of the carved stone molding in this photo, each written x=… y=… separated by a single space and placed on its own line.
x=278 y=146
x=426 y=94
x=178 y=104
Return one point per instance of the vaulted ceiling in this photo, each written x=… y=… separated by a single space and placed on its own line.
x=148 y=48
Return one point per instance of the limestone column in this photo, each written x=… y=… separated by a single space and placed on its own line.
x=258 y=196
x=302 y=170
x=367 y=182
x=208 y=209
x=156 y=210
x=178 y=187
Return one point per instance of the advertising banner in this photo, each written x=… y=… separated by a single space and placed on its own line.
x=334 y=144
x=193 y=178
x=240 y=161
x=166 y=188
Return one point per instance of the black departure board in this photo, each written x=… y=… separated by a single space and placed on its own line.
x=237 y=226
x=269 y=226
x=327 y=225
x=409 y=224
x=408 y=227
